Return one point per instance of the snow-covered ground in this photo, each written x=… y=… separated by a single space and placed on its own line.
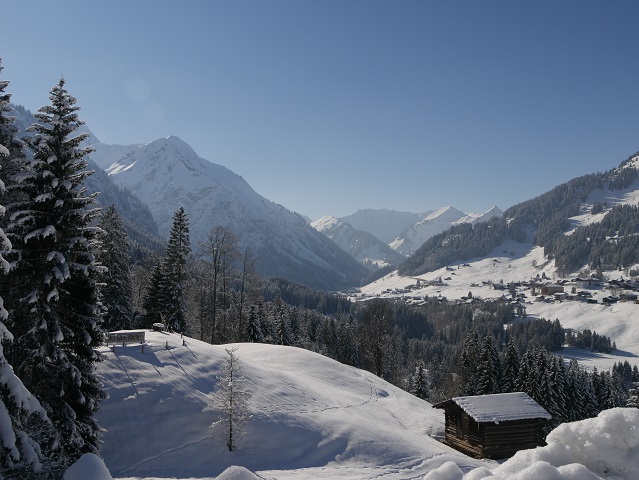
x=313 y=418
x=515 y=262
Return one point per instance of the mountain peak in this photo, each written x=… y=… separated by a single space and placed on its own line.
x=175 y=145
x=494 y=210
x=325 y=223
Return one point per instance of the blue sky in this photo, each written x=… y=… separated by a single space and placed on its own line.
x=328 y=106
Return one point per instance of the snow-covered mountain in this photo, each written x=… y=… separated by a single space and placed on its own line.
x=136 y=215
x=405 y=232
x=167 y=174
x=383 y=223
x=312 y=418
x=433 y=223
x=361 y=245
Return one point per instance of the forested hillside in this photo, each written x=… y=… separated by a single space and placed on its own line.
x=609 y=244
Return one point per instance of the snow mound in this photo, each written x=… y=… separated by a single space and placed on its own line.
x=90 y=466
x=596 y=448
x=237 y=473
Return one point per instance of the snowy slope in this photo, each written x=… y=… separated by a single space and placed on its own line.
x=361 y=245
x=609 y=198
x=433 y=223
x=515 y=262
x=167 y=174
x=312 y=417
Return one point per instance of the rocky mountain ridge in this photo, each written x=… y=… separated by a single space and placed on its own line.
x=167 y=174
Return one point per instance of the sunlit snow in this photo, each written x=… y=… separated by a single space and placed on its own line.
x=313 y=418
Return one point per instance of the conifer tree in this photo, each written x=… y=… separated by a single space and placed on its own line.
x=419 y=382
x=575 y=395
x=469 y=362
x=510 y=369
x=557 y=392
x=24 y=425
x=155 y=301
x=587 y=386
x=178 y=250
x=281 y=322
x=489 y=368
x=115 y=256
x=633 y=396
x=253 y=332
x=347 y=348
x=56 y=316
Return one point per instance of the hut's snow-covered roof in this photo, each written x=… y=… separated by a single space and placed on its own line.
x=501 y=407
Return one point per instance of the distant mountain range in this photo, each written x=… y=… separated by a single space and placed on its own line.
x=148 y=182
x=436 y=222
x=363 y=246
x=402 y=232
x=589 y=224
x=167 y=174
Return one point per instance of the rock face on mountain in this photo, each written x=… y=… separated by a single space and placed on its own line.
x=167 y=174
x=362 y=246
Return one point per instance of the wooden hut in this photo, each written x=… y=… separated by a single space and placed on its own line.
x=493 y=426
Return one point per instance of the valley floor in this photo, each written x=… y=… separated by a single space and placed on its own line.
x=515 y=262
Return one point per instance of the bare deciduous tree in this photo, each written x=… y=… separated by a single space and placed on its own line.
x=232 y=399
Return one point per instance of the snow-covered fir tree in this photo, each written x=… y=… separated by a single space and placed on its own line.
x=469 y=364
x=557 y=393
x=575 y=395
x=489 y=368
x=347 y=344
x=282 y=326
x=12 y=153
x=510 y=369
x=232 y=400
x=419 y=382
x=178 y=250
x=55 y=314
x=24 y=425
x=253 y=332
x=155 y=302
x=633 y=396
x=115 y=256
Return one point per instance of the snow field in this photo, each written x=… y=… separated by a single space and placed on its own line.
x=312 y=417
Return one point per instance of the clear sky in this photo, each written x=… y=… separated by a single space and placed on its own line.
x=331 y=106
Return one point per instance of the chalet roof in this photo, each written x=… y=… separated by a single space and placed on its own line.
x=499 y=407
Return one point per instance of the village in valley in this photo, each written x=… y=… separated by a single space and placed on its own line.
x=519 y=293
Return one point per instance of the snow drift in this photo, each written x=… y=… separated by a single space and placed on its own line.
x=597 y=448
